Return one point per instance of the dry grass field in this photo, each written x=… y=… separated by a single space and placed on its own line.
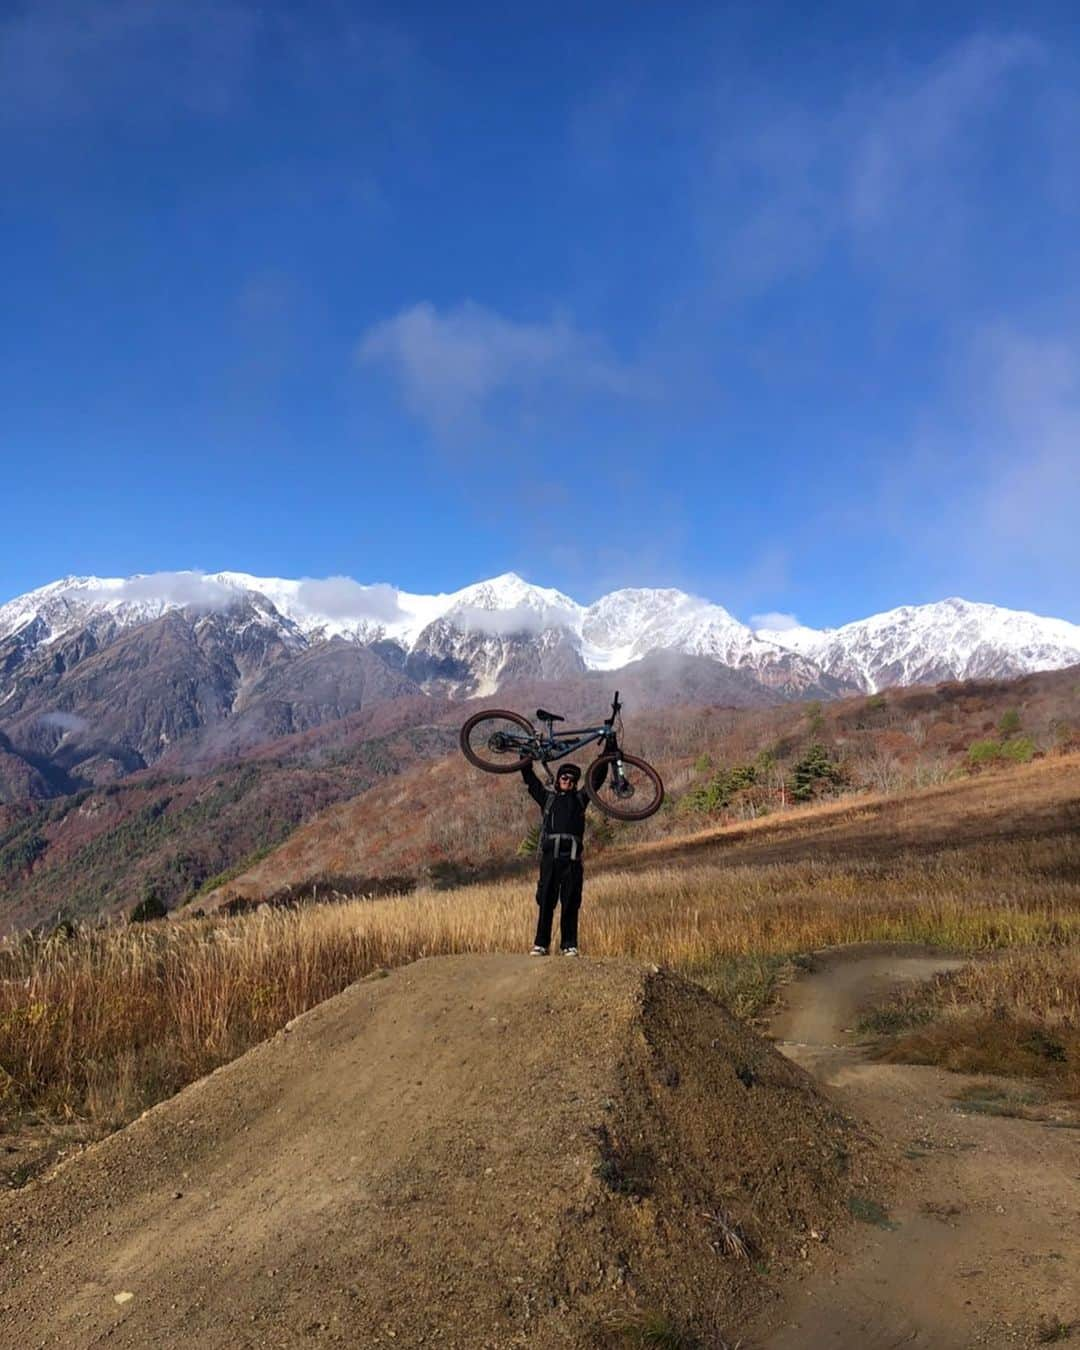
x=1016 y=1016
x=97 y=1026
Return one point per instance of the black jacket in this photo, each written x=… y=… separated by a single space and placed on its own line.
x=564 y=812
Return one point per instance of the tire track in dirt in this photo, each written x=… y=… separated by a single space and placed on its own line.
x=980 y=1243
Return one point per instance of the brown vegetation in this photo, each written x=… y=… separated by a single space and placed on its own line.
x=888 y=748
x=97 y=1026
x=1017 y=1015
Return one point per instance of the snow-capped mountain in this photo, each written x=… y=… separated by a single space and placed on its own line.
x=922 y=644
x=629 y=624
x=464 y=642
x=103 y=676
x=472 y=640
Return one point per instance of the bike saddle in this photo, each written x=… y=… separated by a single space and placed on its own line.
x=542 y=716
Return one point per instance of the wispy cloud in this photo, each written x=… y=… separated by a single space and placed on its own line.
x=916 y=137
x=453 y=367
x=884 y=169
x=986 y=495
x=64 y=721
x=1027 y=395
x=518 y=619
x=62 y=60
x=775 y=621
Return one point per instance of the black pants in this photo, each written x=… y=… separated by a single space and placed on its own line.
x=560 y=881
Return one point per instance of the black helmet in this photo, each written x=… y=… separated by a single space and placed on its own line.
x=571 y=769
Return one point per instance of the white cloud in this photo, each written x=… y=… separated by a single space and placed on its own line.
x=66 y=721
x=775 y=621
x=191 y=589
x=450 y=367
x=519 y=619
x=344 y=598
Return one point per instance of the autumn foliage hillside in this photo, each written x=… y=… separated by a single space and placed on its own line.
x=442 y=821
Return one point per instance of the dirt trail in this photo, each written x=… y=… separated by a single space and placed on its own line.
x=983 y=1242
x=473 y=1152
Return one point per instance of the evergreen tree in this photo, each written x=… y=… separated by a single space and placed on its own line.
x=1010 y=723
x=814 y=773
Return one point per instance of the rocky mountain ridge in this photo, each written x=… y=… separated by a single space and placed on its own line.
x=101 y=677
x=505 y=615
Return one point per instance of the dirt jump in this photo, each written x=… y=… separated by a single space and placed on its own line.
x=980 y=1243
x=470 y=1152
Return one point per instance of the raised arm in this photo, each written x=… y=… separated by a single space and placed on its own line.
x=537 y=791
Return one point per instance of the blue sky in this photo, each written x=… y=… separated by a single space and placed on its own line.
x=776 y=305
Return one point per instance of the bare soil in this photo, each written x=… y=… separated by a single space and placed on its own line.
x=979 y=1242
x=470 y=1152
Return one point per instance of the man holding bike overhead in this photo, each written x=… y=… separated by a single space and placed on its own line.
x=562 y=830
x=500 y=741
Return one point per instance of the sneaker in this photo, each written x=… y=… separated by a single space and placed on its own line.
x=539 y=951
x=570 y=951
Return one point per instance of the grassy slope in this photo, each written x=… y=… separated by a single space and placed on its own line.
x=95 y=1028
x=377 y=795
x=447 y=814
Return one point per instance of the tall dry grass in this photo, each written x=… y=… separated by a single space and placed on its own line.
x=1018 y=1014
x=100 y=1026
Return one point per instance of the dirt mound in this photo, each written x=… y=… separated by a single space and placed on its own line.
x=470 y=1152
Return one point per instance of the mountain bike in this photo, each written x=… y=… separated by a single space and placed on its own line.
x=502 y=742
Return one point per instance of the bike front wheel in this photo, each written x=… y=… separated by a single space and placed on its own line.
x=632 y=790
x=497 y=741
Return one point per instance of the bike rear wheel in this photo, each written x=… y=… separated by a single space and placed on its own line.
x=638 y=796
x=497 y=741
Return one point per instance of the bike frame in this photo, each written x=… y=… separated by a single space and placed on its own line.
x=549 y=748
x=553 y=748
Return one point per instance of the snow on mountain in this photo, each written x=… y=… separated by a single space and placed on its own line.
x=470 y=640
x=507 y=604
x=56 y=609
x=51 y=612
x=951 y=639
x=628 y=624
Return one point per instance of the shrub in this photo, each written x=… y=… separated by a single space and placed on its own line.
x=1016 y=750
x=816 y=772
x=20 y=856
x=530 y=843
x=151 y=906
x=718 y=792
x=1019 y=750
x=1010 y=722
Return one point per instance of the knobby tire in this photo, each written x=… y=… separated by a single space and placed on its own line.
x=476 y=721
x=619 y=812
